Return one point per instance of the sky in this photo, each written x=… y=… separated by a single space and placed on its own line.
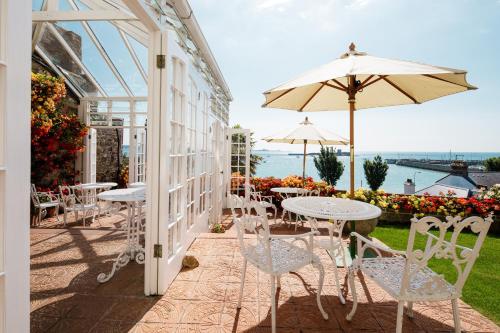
x=261 y=43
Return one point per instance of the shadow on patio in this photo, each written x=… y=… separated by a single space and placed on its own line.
x=66 y=297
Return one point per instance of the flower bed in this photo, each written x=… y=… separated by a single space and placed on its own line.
x=265 y=184
x=481 y=204
x=400 y=206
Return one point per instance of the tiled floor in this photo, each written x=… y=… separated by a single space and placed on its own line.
x=67 y=298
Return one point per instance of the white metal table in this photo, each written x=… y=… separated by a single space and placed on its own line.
x=328 y=208
x=133 y=197
x=288 y=192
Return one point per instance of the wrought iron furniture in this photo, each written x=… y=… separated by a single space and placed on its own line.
x=334 y=246
x=289 y=192
x=406 y=276
x=41 y=202
x=266 y=201
x=273 y=255
x=327 y=208
x=84 y=202
x=134 y=198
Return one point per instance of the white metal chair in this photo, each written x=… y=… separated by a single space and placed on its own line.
x=85 y=202
x=273 y=255
x=265 y=201
x=406 y=275
x=41 y=202
x=333 y=244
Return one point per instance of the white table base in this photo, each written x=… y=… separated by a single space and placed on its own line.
x=133 y=249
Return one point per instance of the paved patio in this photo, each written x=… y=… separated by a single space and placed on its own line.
x=66 y=297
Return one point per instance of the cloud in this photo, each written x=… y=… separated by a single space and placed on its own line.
x=359 y=4
x=272 y=4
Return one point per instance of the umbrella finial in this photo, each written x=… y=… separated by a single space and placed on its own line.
x=352 y=47
x=306 y=122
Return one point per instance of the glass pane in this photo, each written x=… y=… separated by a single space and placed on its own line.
x=141 y=51
x=141 y=120
x=54 y=50
x=141 y=106
x=120 y=56
x=80 y=42
x=120 y=106
x=97 y=119
x=120 y=120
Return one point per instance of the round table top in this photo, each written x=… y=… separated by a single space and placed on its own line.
x=331 y=208
x=137 y=184
x=124 y=195
x=95 y=186
x=288 y=190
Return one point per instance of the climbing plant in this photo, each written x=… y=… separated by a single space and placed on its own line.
x=56 y=136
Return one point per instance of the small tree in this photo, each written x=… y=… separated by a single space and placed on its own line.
x=375 y=172
x=492 y=164
x=330 y=169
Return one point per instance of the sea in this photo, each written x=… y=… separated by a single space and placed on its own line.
x=280 y=164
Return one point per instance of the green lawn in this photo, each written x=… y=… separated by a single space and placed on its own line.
x=482 y=289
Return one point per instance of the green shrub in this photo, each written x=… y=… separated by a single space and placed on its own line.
x=329 y=168
x=375 y=172
x=492 y=164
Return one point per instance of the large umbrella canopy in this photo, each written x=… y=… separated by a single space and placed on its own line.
x=305 y=134
x=359 y=81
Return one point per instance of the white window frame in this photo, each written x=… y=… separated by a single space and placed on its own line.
x=15 y=66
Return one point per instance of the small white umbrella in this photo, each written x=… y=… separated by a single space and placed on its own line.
x=305 y=134
x=358 y=81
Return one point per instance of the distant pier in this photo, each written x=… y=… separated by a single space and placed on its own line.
x=434 y=165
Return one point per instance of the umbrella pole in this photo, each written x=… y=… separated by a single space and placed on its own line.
x=352 y=107
x=304 y=165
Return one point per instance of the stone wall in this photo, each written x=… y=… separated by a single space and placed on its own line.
x=109 y=154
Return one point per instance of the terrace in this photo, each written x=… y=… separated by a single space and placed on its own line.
x=66 y=295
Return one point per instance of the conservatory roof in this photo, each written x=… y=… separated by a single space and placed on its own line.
x=100 y=46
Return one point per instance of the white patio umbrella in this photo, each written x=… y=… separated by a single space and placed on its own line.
x=367 y=82
x=306 y=134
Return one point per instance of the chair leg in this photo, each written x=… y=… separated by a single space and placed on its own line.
x=39 y=220
x=399 y=317
x=320 y=289
x=410 y=309
x=57 y=213
x=456 y=315
x=242 y=282
x=275 y=214
x=273 y=304
x=339 y=291
x=354 y=295
x=65 y=217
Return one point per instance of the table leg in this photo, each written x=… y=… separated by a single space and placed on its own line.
x=352 y=241
x=133 y=250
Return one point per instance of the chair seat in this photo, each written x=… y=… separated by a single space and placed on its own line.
x=266 y=204
x=424 y=285
x=82 y=207
x=48 y=204
x=286 y=257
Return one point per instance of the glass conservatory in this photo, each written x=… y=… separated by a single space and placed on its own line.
x=144 y=80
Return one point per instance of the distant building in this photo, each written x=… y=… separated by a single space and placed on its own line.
x=462 y=183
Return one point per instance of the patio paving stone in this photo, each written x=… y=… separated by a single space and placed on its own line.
x=66 y=297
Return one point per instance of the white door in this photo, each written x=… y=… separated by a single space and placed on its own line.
x=239 y=160
x=92 y=156
x=172 y=218
x=219 y=164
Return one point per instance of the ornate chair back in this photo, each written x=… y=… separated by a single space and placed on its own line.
x=235 y=202
x=259 y=226
x=438 y=247
x=68 y=198
x=34 y=196
x=314 y=193
x=252 y=192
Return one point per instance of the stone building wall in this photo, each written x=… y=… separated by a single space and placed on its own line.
x=109 y=155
